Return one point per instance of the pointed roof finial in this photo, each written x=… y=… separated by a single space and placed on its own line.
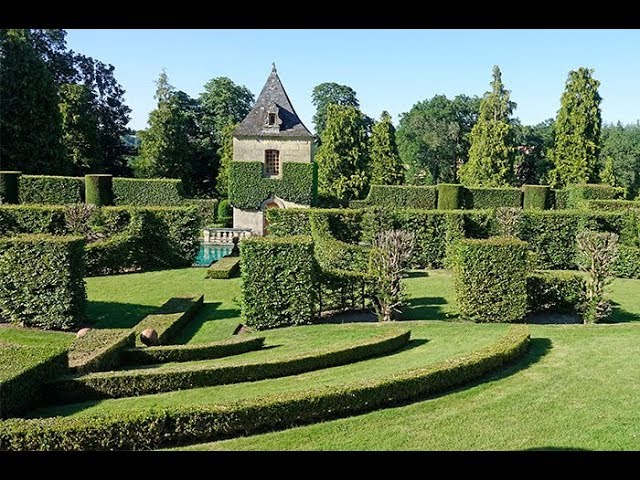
x=273 y=67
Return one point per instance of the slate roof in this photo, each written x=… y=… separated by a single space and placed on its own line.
x=254 y=122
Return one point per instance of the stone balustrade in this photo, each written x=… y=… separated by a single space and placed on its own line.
x=224 y=236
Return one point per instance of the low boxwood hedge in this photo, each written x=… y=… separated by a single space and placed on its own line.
x=162 y=427
x=129 y=383
x=170 y=318
x=226 y=267
x=191 y=352
x=100 y=349
x=23 y=372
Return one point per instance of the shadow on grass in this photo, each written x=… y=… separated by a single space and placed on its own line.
x=556 y=449
x=116 y=315
x=619 y=315
x=425 y=308
x=417 y=274
x=210 y=312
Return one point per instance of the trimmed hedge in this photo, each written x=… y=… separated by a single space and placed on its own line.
x=191 y=352
x=156 y=428
x=225 y=213
x=206 y=209
x=286 y=222
x=537 y=197
x=42 y=281
x=278 y=281
x=170 y=318
x=226 y=267
x=100 y=349
x=248 y=188
x=490 y=278
x=611 y=205
x=145 y=381
x=578 y=192
x=560 y=199
x=98 y=189
x=112 y=255
x=403 y=196
x=51 y=190
x=450 y=196
x=480 y=198
x=148 y=191
x=9 y=187
x=628 y=262
x=332 y=253
x=562 y=292
x=16 y=219
x=24 y=372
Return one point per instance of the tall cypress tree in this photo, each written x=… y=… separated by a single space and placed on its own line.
x=386 y=166
x=492 y=149
x=30 y=121
x=342 y=157
x=578 y=126
x=226 y=156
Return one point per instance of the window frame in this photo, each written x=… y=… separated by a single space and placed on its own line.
x=275 y=161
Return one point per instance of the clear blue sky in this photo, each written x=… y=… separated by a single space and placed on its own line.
x=389 y=69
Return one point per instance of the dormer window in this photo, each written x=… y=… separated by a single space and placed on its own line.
x=272 y=119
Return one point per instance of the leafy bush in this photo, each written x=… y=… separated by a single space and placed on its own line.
x=51 y=190
x=480 y=198
x=580 y=192
x=450 y=196
x=248 y=188
x=403 y=196
x=170 y=318
x=628 y=262
x=100 y=349
x=23 y=373
x=147 y=192
x=98 y=190
x=16 y=219
x=598 y=253
x=226 y=267
x=207 y=208
x=562 y=292
x=191 y=352
x=9 y=187
x=537 y=197
x=42 y=281
x=225 y=213
x=490 y=279
x=278 y=281
x=127 y=383
x=156 y=428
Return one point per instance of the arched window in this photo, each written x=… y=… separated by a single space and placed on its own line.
x=271 y=163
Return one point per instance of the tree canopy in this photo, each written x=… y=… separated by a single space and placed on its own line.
x=330 y=93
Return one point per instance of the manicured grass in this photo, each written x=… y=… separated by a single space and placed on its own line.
x=32 y=337
x=430 y=343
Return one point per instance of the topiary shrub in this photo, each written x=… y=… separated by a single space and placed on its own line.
x=480 y=198
x=490 y=278
x=42 y=281
x=147 y=191
x=537 y=197
x=9 y=187
x=450 y=196
x=225 y=213
x=278 y=281
x=51 y=190
x=99 y=190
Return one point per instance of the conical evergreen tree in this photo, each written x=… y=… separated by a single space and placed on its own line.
x=386 y=166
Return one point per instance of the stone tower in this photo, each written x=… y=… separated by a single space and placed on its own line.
x=272 y=163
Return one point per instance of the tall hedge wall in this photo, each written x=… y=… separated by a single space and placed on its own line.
x=480 y=198
x=537 y=197
x=580 y=192
x=490 y=278
x=147 y=191
x=248 y=188
x=16 y=219
x=278 y=281
x=51 y=190
x=403 y=196
x=42 y=281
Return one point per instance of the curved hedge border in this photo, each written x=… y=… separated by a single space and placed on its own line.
x=156 y=428
x=147 y=381
x=191 y=352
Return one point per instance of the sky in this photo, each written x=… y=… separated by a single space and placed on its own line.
x=389 y=69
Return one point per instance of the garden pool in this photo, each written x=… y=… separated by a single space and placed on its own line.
x=207 y=254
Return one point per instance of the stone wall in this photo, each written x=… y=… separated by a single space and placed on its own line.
x=252 y=149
